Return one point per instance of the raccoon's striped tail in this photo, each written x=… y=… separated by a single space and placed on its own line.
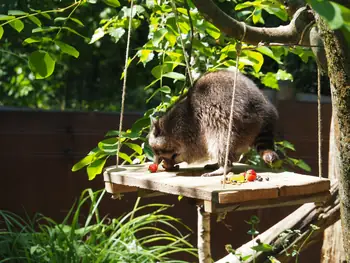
x=264 y=144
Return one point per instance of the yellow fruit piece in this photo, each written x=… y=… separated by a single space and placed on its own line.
x=240 y=178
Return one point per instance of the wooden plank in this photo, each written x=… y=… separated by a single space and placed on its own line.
x=247 y=195
x=119 y=188
x=186 y=182
x=266 y=203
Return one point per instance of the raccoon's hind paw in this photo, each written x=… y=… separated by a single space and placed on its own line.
x=217 y=172
x=269 y=156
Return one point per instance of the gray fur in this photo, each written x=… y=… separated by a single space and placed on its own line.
x=195 y=128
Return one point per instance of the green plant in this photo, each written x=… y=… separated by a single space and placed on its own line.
x=286 y=162
x=148 y=237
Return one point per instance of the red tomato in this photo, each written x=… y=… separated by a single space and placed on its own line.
x=250 y=175
x=153 y=167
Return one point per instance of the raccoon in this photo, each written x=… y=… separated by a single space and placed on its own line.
x=196 y=128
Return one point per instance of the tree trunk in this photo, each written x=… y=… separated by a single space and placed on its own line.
x=338 y=57
x=332 y=248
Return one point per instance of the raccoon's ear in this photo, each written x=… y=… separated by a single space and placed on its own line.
x=155 y=126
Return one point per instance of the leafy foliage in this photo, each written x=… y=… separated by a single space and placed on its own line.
x=134 y=237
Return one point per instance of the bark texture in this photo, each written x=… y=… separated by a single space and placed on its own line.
x=338 y=58
x=332 y=248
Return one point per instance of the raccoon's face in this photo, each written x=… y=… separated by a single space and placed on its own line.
x=164 y=146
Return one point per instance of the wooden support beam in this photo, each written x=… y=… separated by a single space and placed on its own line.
x=203 y=235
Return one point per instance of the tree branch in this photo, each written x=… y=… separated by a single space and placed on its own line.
x=289 y=34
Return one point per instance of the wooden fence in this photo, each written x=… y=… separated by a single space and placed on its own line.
x=39 y=148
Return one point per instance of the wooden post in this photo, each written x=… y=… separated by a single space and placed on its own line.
x=203 y=232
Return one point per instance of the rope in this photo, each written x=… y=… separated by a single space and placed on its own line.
x=319 y=120
x=182 y=43
x=124 y=82
x=238 y=52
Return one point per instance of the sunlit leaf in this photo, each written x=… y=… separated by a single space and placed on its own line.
x=1 y=31
x=95 y=168
x=256 y=58
x=45 y=29
x=175 y=75
x=268 y=52
x=83 y=162
x=212 y=30
x=165 y=89
x=6 y=17
x=112 y=3
x=263 y=247
x=31 y=40
x=41 y=63
x=35 y=20
x=116 y=33
x=99 y=33
x=146 y=55
x=158 y=36
x=137 y=148
x=17 y=25
x=68 y=49
x=16 y=13
x=125 y=157
x=77 y=21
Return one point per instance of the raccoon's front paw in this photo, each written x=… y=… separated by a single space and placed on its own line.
x=269 y=156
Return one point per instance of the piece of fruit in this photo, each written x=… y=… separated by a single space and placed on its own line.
x=153 y=167
x=250 y=175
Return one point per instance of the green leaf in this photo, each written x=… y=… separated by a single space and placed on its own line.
x=243 y=5
x=1 y=31
x=148 y=151
x=83 y=162
x=146 y=55
x=269 y=80
x=45 y=29
x=330 y=11
x=17 y=25
x=112 y=3
x=283 y=75
x=158 y=36
x=60 y=19
x=301 y=164
x=77 y=21
x=41 y=63
x=286 y=144
x=91 y=1
x=137 y=148
x=256 y=58
x=6 y=17
x=16 y=13
x=31 y=40
x=257 y=16
x=116 y=33
x=268 y=52
x=165 y=89
x=99 y=33
x=175 y=75
x=35 y=20
x=45 y=15
x=263 y=247
x=212 y=30
x=95 y=168
x=125 y=157
x=68 y=49
x=179 y=197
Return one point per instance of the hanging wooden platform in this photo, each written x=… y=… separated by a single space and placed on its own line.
x=283 y=188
